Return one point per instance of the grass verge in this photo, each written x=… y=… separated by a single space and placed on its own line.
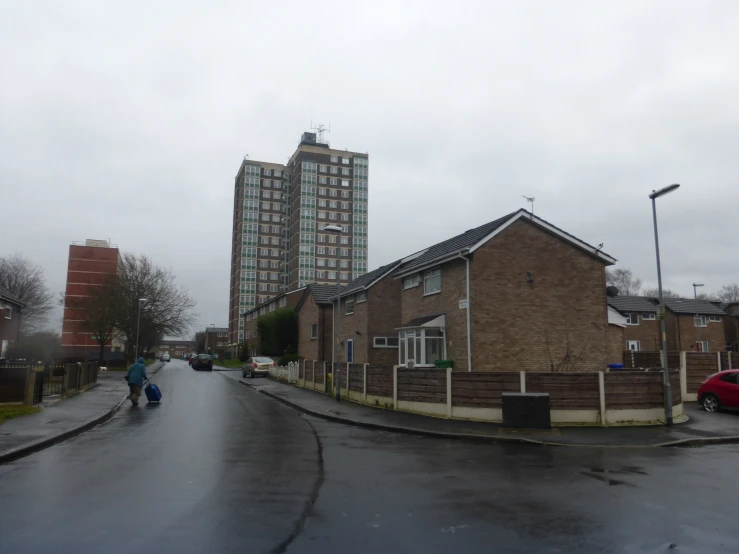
x=234 y=364
x=9 y=412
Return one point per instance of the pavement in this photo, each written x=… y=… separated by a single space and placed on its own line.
x=62 y=419
x=701 y=429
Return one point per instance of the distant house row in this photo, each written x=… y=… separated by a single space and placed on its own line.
x=690 y=325
x=515 y=294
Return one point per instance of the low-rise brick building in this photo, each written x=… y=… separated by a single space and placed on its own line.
x=175 y=348
x=216 y=342
x=10 y=320
x=642 y=327
x=731 y=325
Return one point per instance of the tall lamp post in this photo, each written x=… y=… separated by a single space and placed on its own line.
x=138 y=327
x=666 y=387
x=336 y=229
x=697 y=327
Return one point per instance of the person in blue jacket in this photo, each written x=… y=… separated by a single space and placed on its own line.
x=136 y=377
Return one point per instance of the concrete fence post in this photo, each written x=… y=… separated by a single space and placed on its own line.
x=364 y=383
x=523 y=381
x=395 y=387
x=683 y=375
x=347 y=379
x=313 y=376
x=602 y=394
x=65 y=381
x=324 y=376
x=449 y=392
x=718 y=357
x=661 y=359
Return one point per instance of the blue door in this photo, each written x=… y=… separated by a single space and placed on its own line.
x=350 y=350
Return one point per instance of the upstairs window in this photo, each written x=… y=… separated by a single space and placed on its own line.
x=649 y=317
x=411 y=281
x=632 y=319
x=714 y=318
x=700 y=321
x=432 y=281
x=350 y=305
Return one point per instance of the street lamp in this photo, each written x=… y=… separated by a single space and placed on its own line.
x=695 y=321
x=138 y=326
x=337 y=372
x=666 y=387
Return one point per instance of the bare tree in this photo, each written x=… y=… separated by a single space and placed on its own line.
x=167 y=308
x=729 y=293
x=623 y=279
x=24 y=279
x=666 y=293
x=200 y=341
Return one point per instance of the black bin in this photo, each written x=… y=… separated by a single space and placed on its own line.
x=526 y=410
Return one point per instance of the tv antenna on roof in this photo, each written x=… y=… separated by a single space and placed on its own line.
x=319 y=129
x=531 y=200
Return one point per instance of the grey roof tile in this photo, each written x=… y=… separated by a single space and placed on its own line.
x=626 y=304
x=363 y=281
x=323 y=294
x=690 y=306
x=7 y=295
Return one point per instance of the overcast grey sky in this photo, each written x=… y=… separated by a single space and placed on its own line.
x=128 y=120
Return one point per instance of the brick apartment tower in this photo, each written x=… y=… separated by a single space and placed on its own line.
x=89 y=265
x=278 y=218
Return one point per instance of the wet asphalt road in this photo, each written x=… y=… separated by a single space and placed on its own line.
x=218 y=467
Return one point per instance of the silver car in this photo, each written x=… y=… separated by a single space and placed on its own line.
x=258 y=366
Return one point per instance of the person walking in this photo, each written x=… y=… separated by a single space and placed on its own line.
x=136 y=377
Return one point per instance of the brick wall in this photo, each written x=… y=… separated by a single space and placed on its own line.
x=647 y=333
x=513 y=320
x=354 y=327
x=453 y=284
x=615 y=345
x=731 y=329
x=383 y=300
x=9 y=328
x=687 y=334
x=308 y=348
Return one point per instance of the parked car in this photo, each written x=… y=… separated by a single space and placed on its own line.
x=257 y=366
x=166 y=358
x=202 y=361
x=720 y=391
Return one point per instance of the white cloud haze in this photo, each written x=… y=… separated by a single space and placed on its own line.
x=129 y=121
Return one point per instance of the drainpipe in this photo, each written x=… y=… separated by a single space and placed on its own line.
x=469 y=316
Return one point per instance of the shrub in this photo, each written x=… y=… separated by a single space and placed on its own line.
x=288 y=358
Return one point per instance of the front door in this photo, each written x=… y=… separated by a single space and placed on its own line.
x=350 y=350
x=632 y=345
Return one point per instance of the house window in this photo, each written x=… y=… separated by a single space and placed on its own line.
x=432 y=281
x=700 y=321
x=322 y=168
x=714 y=318
x=268 y=172
x=632 y=319
x=335 y=170
x=632 y=345
x=345 y=194
x=411 y=281
x=701 y=346
x=421 y=346
x=345 y=160
x=314 y=331
x=334 y=159
x=344 y=183
x=332 y=275
x=649 y=317
x=8 y=311
x=361 y=297
x=349 y=305
x=385 y=342
x=345 y=171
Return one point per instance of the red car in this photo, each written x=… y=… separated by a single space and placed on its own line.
x=720 y=390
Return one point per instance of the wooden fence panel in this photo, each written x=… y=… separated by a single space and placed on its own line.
x=629 y=390
x=356 y=377
x=419 y=385
x=13 y=384
x=647 y=359
x=482 y=389
x=567 y=391
x=380 y=381
x=318 y=377
x=725 y=361
x=699 y=366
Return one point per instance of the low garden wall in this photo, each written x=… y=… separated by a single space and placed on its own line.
x=588 y=398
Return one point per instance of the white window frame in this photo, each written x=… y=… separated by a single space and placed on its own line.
x=361 y=296
x=648 y=316
x=334 y=159
x=630 y=316
x=411 y=281
x=412 y=334
x=382 y=342
x=700 y=321
x=349 y=301
x=630 y=343
x=345 y=160
x=714 y=319
x=704 y=346
x=428 y=276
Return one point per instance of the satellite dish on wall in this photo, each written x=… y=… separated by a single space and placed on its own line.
x=612 y=291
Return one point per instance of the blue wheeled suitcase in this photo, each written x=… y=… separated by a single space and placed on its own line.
x=153 y=394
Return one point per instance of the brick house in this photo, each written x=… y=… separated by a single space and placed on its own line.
x=514 y=294
x=175 y=348
x=286 y=299
x=642 y=327
x=615 y=336
x=216 y=341
x=696 y=325
x=689 y=324
x=731 y=325
x=10 y=320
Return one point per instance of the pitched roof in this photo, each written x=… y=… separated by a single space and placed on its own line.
x=216 y=329
x=366 y=280
x=690 y=306
x=476 y=237
x=732 y=309
x=322 y=294
x=7 y=295
x=625 y=304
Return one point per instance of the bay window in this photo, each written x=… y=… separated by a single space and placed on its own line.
x=422 y=346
